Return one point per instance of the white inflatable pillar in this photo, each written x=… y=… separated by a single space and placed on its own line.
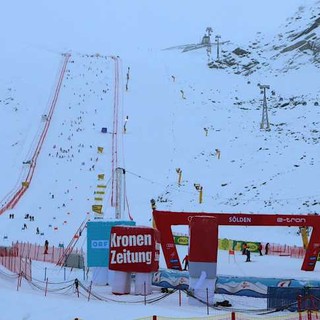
x=143 y=283
x=121 y=283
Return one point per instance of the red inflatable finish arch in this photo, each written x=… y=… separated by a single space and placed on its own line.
x=165 y=219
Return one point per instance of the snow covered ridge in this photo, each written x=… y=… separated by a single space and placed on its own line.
x=297 y=44
x=297 y=93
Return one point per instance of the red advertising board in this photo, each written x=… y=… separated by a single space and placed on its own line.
x=134 y=249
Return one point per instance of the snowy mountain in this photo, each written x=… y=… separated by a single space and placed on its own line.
x=179 y=109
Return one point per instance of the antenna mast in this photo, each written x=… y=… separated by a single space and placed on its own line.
x=218 y=37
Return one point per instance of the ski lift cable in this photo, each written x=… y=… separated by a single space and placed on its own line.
x=159 y=183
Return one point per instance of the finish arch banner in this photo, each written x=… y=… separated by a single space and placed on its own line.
x=164 y=220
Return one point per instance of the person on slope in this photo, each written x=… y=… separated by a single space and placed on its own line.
x=186 y=262
x=248 y=253
x=46 y=247
x=244 y=248
x=267 y=248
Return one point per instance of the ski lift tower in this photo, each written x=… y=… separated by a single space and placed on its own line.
x=209 y=31
x=265 y=120
x=218 y=37
x=207 y=42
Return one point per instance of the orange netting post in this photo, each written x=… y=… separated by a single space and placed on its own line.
x=300 y=306
x=52 y=256
x=46 y=289
x=90 y=287
x=29 y=251
x=314 y=307
x=18 y=282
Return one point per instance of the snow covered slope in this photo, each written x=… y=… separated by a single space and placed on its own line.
x=259 y=171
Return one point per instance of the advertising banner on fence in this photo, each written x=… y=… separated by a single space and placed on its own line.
x=181 y=240
x=223 y=244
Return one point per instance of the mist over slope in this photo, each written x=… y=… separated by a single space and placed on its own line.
x=259 y=171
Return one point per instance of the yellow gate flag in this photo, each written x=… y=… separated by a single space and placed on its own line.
x=25 y=184
x=101 y=176
x=100 y=149
x=99 y=192
x=97 y=208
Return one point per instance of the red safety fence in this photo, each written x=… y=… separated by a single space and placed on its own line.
x=37 y=252
x=9 y=259
x=17 y=258
x=285 y=250
x=297 y=252
x=70 y=248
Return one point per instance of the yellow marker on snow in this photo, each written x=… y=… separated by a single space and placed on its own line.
x=304 y=236
x=199 y=188
x=200 y=195
x=97 y=208
x=101 y=176
x=99 y=192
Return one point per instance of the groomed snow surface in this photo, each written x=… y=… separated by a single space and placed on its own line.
x=63 y=303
